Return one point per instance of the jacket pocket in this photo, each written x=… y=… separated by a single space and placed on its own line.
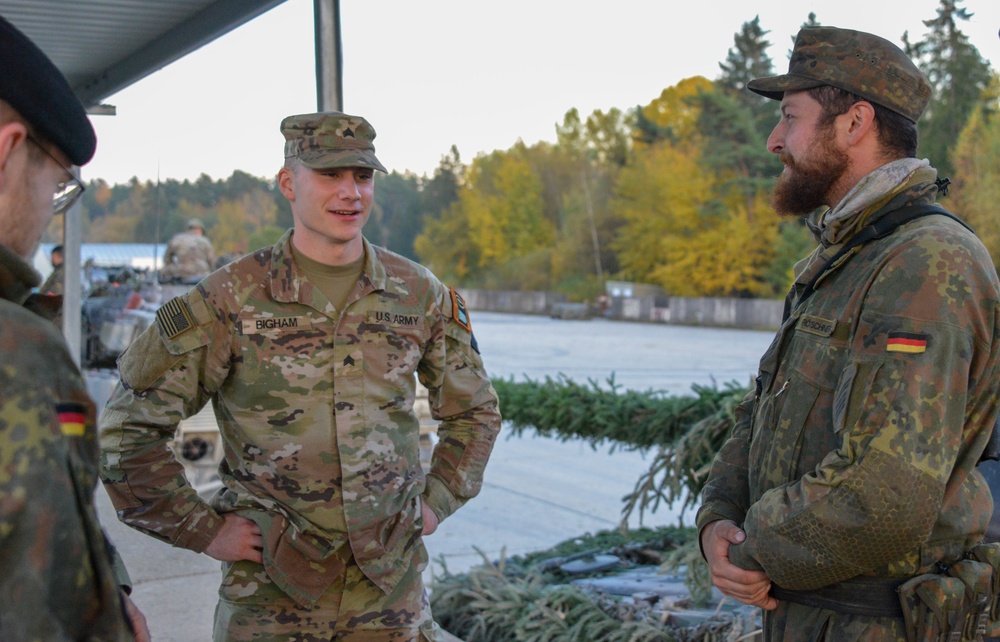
x=779 y=435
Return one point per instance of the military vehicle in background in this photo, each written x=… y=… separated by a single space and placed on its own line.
x=119 y=303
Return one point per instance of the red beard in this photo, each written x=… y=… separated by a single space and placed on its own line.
x=806 y=183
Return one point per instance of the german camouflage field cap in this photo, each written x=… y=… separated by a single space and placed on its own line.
x=858 y=62
x=330 y=139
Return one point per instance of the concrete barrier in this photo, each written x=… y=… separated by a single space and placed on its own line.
x=734 y=313
x=715 y=312
x=512 y=302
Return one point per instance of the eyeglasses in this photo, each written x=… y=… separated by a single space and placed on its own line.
x=68 y=191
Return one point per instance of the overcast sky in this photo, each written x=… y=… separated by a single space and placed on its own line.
x=476 y=74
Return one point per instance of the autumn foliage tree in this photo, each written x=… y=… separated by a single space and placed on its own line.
x=977 y=175
x=674 y=192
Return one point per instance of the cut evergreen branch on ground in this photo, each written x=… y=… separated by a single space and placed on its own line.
x=529 y=599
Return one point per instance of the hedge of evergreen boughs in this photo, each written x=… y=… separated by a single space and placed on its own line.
x=686 y=430
x=528 y=599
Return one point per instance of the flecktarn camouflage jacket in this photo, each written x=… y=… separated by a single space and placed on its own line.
x=57 y=570
x=876 y=399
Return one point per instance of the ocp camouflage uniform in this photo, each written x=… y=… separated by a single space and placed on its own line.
x=321 y=443
x=188 y=255
x=876 y=399
x=57 y=570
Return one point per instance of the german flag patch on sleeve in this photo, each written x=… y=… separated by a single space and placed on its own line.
x=72 y=418
x=907 y=342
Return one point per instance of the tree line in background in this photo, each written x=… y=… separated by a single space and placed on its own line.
x=674 y=193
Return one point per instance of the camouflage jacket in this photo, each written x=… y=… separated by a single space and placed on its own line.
x=54 y=283
x=315 y=407
x=188 y=255
x=857 y=454
x=57 y=575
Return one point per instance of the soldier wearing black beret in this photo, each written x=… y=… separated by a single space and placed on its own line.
x=60 y=579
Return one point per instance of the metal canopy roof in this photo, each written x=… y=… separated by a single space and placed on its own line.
x=102 y=46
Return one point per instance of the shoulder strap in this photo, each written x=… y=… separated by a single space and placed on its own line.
x=881 y=228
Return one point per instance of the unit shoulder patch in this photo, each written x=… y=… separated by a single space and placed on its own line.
x=459 y=313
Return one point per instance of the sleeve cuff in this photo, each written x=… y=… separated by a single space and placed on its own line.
x=122 y=578
x=439 y=499
x=199 y=530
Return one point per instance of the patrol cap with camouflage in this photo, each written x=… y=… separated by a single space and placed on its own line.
x=330 y=139
x=855 y=61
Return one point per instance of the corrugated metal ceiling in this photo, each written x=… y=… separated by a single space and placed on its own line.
x=105 y=45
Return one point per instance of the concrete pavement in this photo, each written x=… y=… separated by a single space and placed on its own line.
x=538 y=492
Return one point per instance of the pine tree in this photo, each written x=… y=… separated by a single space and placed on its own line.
x=746 y=60
x=960 y=79
x=811 y=21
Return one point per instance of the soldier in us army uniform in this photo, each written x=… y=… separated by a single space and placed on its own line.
x=308 y=351
x=189 y=254
x=847 y=503
x=60 y=578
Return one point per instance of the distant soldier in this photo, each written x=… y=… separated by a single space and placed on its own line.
x=54 y=284
x=308 y=351
x=58 y=578
x=189 y=254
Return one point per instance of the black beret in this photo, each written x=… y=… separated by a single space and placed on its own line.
x=41 y=94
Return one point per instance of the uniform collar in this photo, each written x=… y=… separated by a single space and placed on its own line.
x=17 y=277
x=870 y=195
x=289 y=283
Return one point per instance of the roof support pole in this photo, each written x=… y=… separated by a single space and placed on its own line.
x=72 y=285
x=329 y=58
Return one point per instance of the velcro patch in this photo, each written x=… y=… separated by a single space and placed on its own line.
x=174 y=317
x=459 y=313
x=72 y=418
x=816 y=325
x=269 y=324
x=385 y=317
x=907 y=342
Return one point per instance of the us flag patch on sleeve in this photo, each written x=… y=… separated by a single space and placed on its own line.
x=906 y=342
x=174 y=317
